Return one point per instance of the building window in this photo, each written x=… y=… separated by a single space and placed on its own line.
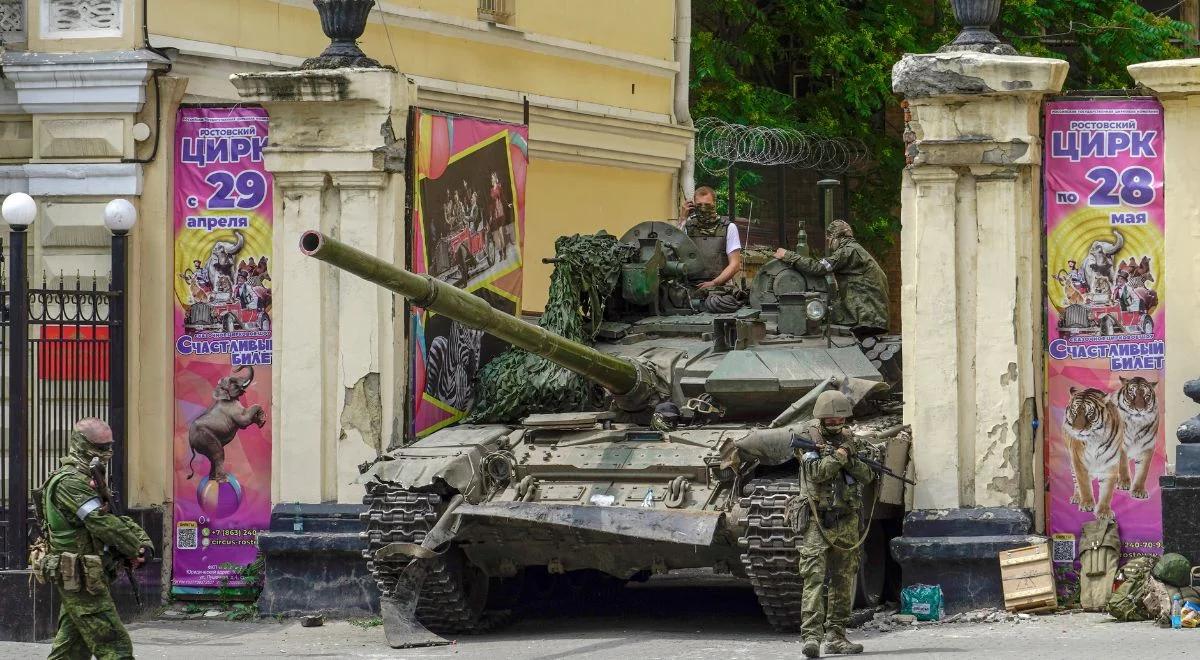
x=497 y=11
x=12 y=21
x=69 y=19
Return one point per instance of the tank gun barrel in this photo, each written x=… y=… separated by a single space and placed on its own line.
x=615 y=374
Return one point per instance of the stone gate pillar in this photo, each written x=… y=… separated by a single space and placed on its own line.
x=337 y=155
x=337 y=152
x=972 y=313
x=1176 y=83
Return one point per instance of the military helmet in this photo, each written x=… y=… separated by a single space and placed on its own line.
x=833 y=404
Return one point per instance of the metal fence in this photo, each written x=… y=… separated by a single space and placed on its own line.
x=61 y=339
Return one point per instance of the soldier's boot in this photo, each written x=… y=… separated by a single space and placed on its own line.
x=812 y=649
x=836 y=643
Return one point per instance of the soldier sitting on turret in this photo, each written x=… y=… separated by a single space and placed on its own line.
x=862 y=287
x=698 y=217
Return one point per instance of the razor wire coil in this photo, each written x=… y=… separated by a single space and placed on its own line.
x=720 y=145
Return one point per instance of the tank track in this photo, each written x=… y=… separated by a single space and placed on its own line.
x=397 y=515
x=770 y=553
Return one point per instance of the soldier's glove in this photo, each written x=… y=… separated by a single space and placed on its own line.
x=145 y=554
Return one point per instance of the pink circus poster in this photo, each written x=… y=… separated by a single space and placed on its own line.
x=222 y=287
x=468 y=227
x=1105 y=309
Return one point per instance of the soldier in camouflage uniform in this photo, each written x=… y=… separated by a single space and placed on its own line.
x=862 y=286
x=829 y=519
x=85 y=545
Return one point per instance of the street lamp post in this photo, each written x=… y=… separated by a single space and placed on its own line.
x=119 y=216
x=19 y=211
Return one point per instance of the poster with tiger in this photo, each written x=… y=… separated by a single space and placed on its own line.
x=468 y=223
x=1105 y=312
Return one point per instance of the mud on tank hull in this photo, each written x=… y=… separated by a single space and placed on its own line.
x=609 y=499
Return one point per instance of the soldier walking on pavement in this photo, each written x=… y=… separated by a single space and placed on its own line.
x=84 y=545
x=829 y=517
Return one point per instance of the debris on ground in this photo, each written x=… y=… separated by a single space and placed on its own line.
x=312 y=621
x=887 y=621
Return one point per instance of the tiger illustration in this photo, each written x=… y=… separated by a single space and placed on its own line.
x=451 y=365
x=1094 y=433
x=1137 y=405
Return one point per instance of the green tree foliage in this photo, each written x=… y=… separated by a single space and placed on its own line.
x=744 y=52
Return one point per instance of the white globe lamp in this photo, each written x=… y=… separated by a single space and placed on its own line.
x=120 y=216
x=19 y=210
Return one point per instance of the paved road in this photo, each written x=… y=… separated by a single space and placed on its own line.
x=666 y=620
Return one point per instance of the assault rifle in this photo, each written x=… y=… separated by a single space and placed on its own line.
x=879 y=468
x=101 y=480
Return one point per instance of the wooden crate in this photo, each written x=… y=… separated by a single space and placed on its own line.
x=1028 y=578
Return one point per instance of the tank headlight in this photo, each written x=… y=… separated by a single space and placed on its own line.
x=815 y=310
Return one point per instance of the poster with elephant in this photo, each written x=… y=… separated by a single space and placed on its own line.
x=468 y=221
x=222 y=292
x=1105 y=310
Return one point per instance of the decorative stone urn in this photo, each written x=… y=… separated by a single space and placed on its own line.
x=976 y=18
x=343 y=22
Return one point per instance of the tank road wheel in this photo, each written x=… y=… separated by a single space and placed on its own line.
x=454 y=597
x=769 y=551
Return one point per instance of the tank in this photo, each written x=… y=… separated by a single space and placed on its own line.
x=604 y=496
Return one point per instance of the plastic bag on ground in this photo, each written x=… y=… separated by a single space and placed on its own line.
x=923 y=601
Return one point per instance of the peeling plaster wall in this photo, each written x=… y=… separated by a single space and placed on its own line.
x=972 y=288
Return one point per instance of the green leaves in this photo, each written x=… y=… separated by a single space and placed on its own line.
x=746 y=55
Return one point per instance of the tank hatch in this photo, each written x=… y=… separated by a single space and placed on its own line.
x=572 y=420
x=764 y=380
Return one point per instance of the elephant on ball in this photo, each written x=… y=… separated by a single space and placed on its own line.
x=219 y=424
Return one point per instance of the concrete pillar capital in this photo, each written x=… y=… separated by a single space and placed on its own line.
x=360 y=180
x=932 y=174
x=300 y=180
x=994 y=173
x=1169 y=78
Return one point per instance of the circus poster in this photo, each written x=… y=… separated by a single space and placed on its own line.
x=1105 y=309
x=468 y=224
x=222 y=324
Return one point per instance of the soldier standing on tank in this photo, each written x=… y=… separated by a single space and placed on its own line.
x=829 y=513
x=86 y=544
x=862 y=286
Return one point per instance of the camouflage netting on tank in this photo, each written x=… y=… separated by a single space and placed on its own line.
x=517 y=383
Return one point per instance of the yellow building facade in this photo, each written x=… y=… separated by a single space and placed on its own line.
x=87 y=114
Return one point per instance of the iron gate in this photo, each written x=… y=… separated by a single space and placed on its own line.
x=62 y=345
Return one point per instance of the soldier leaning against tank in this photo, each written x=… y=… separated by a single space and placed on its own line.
x=84 y=546
x=862 y=287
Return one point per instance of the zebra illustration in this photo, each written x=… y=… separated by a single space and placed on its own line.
x=451 y=366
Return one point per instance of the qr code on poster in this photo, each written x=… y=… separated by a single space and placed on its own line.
x=1064 y=548
x=186 y=536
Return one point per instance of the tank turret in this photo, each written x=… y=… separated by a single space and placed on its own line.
x=631 y=381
